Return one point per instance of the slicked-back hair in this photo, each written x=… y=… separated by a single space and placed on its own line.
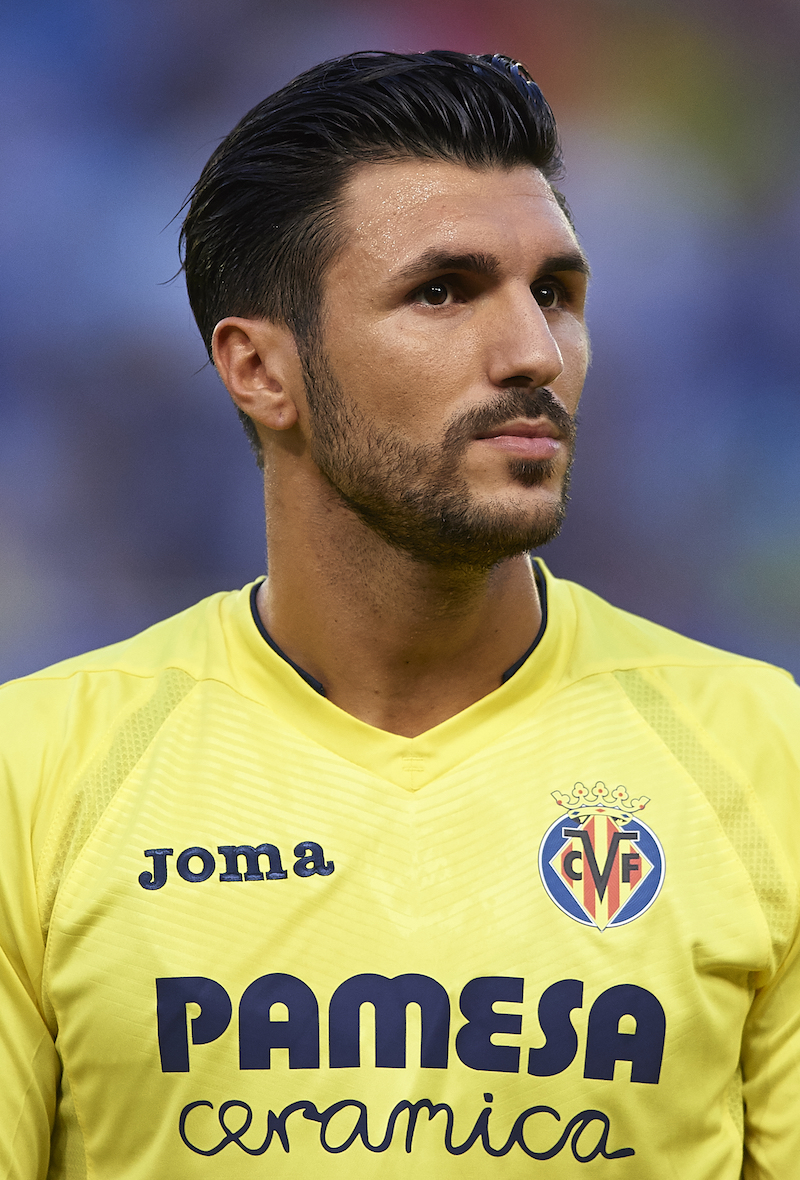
x=262 y=222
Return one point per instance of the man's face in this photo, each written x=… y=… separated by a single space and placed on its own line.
x=452 y=350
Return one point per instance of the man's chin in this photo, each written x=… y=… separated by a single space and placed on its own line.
x=479 y=538
x=536 y=473
x=459 y=528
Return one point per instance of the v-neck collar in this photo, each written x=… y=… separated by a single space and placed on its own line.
x=409 y=763
x=318 y=686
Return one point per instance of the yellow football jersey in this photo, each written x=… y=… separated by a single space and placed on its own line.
x=245 y=934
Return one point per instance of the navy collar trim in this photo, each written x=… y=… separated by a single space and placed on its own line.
x=301 y=672
x=541 y=586
x=312 y=681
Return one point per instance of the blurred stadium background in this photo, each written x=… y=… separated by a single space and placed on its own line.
x=127 y=490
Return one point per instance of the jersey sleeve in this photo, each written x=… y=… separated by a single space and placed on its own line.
x=29 y=1069
x=51 y=726
x=756 y=722
x=771 y=1041
x=771 y=1076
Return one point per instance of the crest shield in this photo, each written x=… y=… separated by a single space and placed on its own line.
x=598 y=861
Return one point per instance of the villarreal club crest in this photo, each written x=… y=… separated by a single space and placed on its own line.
x=599 y=862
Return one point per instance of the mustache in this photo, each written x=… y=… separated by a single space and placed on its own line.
x=517 y=402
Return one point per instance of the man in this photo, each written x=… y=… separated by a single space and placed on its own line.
x=412 y=860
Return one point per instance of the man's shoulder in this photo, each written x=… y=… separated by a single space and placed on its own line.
x=746 y=698
x=608 y=638
x=54 y=722
x=185 y=640
x=73 y=702
x=745 y=710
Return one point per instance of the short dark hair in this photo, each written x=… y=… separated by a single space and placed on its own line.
x=262 y=228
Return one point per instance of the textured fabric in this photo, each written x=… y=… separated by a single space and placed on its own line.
x=245 y=934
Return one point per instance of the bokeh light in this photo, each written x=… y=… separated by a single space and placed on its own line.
x=127 y=490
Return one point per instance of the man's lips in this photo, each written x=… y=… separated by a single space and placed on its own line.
x=524 y=438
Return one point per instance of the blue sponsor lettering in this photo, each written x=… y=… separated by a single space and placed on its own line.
x=586 y=1133
x=172 y=996
x=606 y=1045
x=561 y=1041
x=390 y=999
x=473 y=1042
x=298 y=1032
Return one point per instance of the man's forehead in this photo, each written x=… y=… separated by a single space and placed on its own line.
x=396 y=209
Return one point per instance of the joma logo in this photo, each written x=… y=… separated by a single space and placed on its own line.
x=198 y=864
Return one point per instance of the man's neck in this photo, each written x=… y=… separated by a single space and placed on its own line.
x=398 y=643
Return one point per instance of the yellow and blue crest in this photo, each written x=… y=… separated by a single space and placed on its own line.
x=599 y=862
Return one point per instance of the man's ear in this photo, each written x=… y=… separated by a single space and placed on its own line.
x=258 y=363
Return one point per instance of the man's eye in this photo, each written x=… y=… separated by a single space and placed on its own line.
x=547 y=295
x=434 y=294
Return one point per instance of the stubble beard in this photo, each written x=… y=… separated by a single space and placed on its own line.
x=413 y=496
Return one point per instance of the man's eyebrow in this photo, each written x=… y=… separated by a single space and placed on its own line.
x=435 y=261
x=574 y=260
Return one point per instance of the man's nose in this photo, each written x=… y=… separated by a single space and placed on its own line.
x=521 y=346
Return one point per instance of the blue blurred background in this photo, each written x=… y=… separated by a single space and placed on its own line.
x=127 y=490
